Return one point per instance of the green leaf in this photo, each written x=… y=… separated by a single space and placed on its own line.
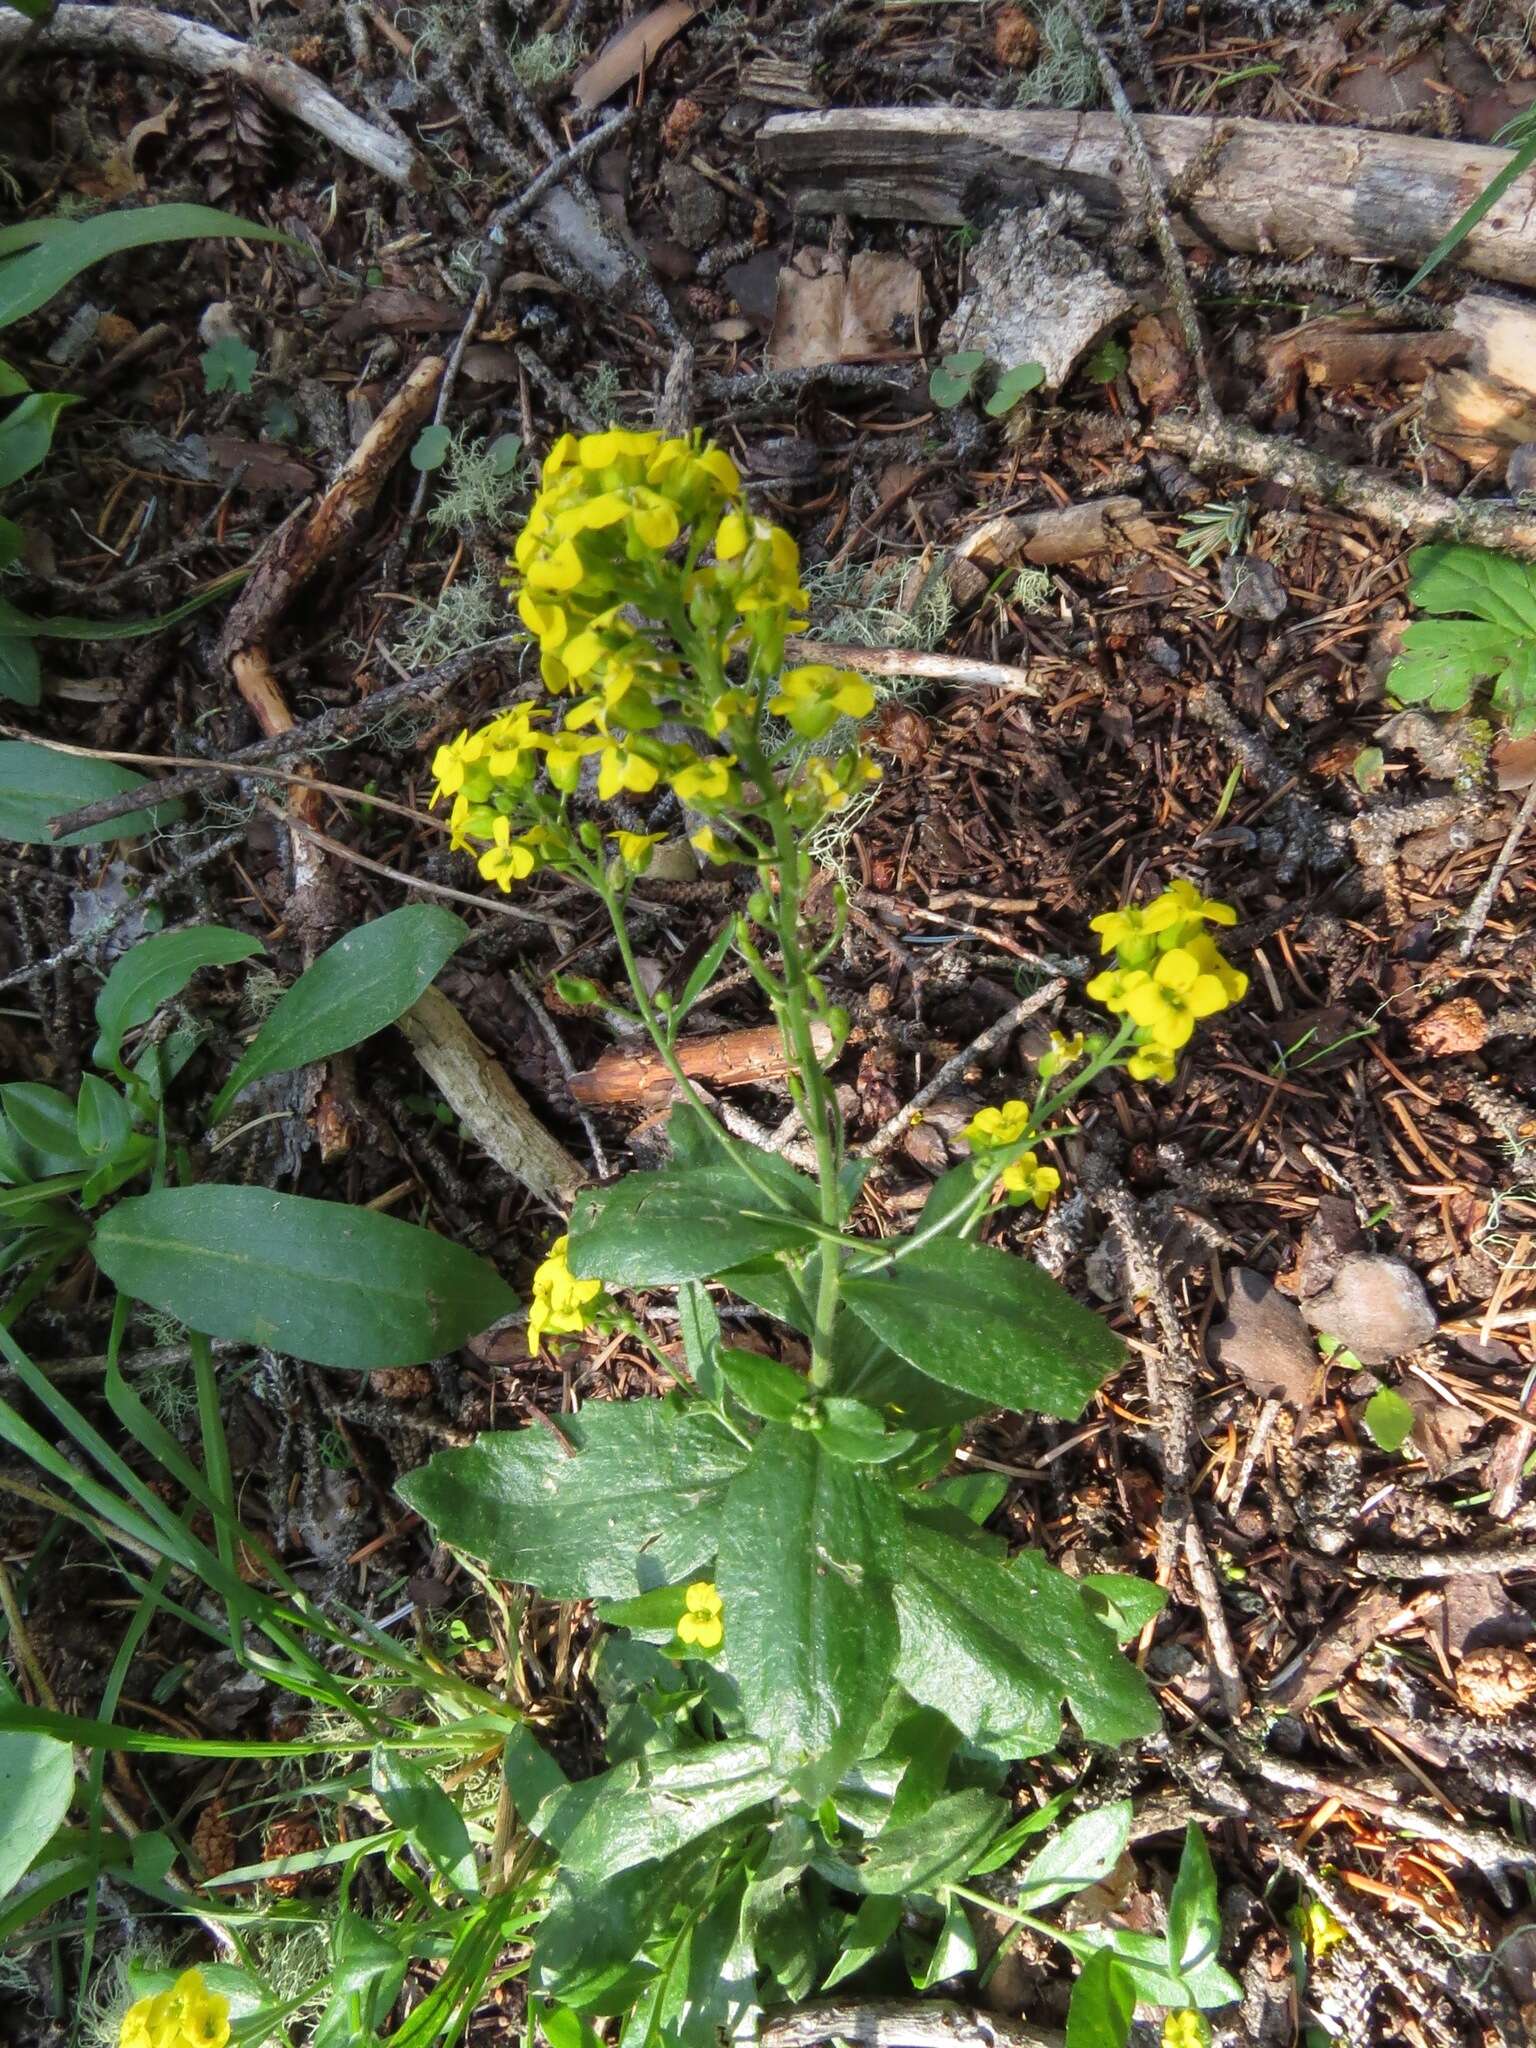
x=61 y=249
x=865 y=1936
x=998 y=1647
x=651 y=1229
x=356 y=987
x=1389 y=1418
x=428 y=1818
x=37 y=1783
x=950 y=382
x=705 y=968
x=153 y=971
x=318 y=1280
x=38 y=783
x=940 y=1847
x=45 y=1121
x=12 y=382
x=1014 y=385
x=953 y=1953
x=699 y=1323
x=103 y=1120
x=531 y=1773
x=230 y=365
x=1369 y=769
x=639 y=1479
x=505 y=452
x=430 y=448
x=69 y=626
x=1084 y=1853
x=26 y=432
x=648 y=1808
x=994 y=1326
x=853 y=1430
x=807 y=1548
x=1006 y=1847
x=1124 y=1604
x=1103 y=2003
x=1194 y=1910
x=21 y=676
x=763 y=1386
x=1106 y=362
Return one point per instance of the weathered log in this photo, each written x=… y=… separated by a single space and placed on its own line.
x=1253 y=186
x=1484 y=409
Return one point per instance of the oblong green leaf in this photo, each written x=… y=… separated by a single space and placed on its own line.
x=153 y=971
x=691 y=1223
x=431 y=1822
x=1103 y=2002
x=318 y=1280
x=942 y=1844
x=1085 y=1852
x=37 y=1783
x=39 y=783
x=573 y=1514
x=70 y=626
x=356 y=987
x=995 y=1326
x=21 y=674
x=63 y=248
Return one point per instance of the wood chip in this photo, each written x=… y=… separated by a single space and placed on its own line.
x=629 y=51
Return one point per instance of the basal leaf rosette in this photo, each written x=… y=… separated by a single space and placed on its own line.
x=658 y=600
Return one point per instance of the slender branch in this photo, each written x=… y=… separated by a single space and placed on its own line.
x=1483 y=902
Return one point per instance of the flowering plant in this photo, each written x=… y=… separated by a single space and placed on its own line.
x=787 y=1533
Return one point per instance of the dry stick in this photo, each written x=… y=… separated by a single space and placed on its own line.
x=900 y=661
x=1443 y=1564
x=478 y=1089
x=1483 y=902
x=78 y=948
x=952 y=1069
x=299 y=739
x=1157 y=209
x=900 y=2023
x=1224 y=445
x=140 y=35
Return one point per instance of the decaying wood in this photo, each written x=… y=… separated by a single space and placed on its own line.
x=1351 y=348
x=1254 y=186
x=139 y=35
x=1216 y=446
x=908 y=661
x=478 y=1090
x=1066 y=534
x=728 y=1059
x=1486 y=406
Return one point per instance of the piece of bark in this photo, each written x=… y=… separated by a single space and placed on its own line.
x=140 y=35
x=1346 y=348
x=479 y=1091
x=629 y=51
x=1265 y=1341
x=1337 y=1648
x=1253 y=186
x=728 y=1059
x=1487 y=407
x=1035 y=295
x=1067 y=534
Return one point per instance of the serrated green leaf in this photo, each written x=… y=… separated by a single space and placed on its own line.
x=1389 y=1419
x=153 y=971
x=638 y=1480
x=646 y=1810
x=1124 y=1604
x=808 y=1546
x=990 y=1324
x=1447 y=579
x=999 y=1647
x=322 y=1281
x=229 y=365
x=356 y=987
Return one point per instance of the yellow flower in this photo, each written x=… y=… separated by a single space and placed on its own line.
x=990 y=1128
x=813 y=698
x=508 y=860
x=621 y=768
x=824 y=785
x=635 y=847
x=1151 y=1061
x=561 y=569
x=545 y=620
x=1026 y=1180
x=1186 y=2029
x=704 y=780
x=1112 y=988
x=566 y=752
x=701 y=1626
x=1131 y=932
x=713 y=847
x=1318 y=1928
x=189 y=2015
x=1064 y=1052
x=728 y=706
x=1168 y=1003
x=1203 y=950
x=561 y=1303
x=1190 y=907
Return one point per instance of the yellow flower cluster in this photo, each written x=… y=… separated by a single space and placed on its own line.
x=561 y=1303
x=1023 y=1179
x=702 y=1626
x=1319 y=1929
x=642 y=576
x=1168 y=974
x=189 y=2015
x=1186 y=2029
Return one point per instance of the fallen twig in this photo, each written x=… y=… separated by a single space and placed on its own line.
x=1224 y=445
x=725 y=1059
x=1483 y=901
x=996 y=1033
x=139 y=35
x=903 y=661
x=477 y=1088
